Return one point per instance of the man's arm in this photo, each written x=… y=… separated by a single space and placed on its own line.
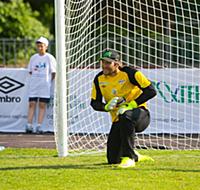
x=52 y=66
x=137 y=78
x=148 y=90
x=97 y=105
x=53 y=75
x=147 y=93
x=96 y=96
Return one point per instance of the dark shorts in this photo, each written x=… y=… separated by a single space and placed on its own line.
x=45 y=100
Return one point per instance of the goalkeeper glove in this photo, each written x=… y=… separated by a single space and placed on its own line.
x=111 y=104
x=131 y=105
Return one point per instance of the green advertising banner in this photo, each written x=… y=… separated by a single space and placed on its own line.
x=176 y=108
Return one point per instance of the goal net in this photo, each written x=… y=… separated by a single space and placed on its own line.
x=158 y=37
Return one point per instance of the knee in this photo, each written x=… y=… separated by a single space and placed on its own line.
x=32 y=104
x=42 y=105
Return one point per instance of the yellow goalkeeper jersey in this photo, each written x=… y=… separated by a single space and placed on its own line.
x=127 y=83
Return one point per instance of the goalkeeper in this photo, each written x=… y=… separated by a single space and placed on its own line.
x=125 y=91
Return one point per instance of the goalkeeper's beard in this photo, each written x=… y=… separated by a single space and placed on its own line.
x=110 y=72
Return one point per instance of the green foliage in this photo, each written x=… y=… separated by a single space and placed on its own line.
x=39 y=169
x=46 y=12
x=19 y=21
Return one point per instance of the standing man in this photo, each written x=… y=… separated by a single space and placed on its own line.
x=125 y=91
x=42 y=70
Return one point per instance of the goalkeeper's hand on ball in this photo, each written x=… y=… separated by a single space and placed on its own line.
x=113 y=103
x=128 y=106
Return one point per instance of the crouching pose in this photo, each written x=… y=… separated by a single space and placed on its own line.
x=125 y=91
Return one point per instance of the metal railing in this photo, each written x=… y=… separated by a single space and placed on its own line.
x=17 y=52
x=140 y=51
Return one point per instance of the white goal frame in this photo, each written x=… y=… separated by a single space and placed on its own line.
x=60 y=116
x=154 y=46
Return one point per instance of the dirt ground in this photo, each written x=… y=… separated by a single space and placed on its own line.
x=27 y=140
x=47 y=140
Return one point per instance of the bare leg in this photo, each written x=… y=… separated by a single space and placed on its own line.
x=42 y=109
x=31 y=111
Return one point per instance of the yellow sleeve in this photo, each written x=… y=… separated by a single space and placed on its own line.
x=141 y=79
x=94 y=92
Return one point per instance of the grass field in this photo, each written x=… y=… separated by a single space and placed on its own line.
x=36 y=169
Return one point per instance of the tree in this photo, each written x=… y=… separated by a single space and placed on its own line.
x=46 y=12
x=19 y=21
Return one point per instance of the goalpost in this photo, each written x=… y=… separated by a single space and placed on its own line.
x=158 y=37
x=60 y=109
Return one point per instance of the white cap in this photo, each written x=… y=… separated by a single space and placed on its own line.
x=43 y=40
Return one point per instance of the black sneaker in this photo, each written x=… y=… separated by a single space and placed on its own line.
x=38 y=130
x=29 y=129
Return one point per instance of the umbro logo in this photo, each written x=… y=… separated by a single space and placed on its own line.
x=8 y=85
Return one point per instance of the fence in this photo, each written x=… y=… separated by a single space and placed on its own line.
x=17 y=52
x=180 y=53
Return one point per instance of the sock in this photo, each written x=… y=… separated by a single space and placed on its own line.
x=38 y=125
x=29 y=125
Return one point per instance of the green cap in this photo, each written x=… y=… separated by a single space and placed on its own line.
x=110 y=56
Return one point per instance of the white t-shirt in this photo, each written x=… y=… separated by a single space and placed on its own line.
x=41 y=68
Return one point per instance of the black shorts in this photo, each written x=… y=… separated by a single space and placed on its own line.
x=35 y=99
